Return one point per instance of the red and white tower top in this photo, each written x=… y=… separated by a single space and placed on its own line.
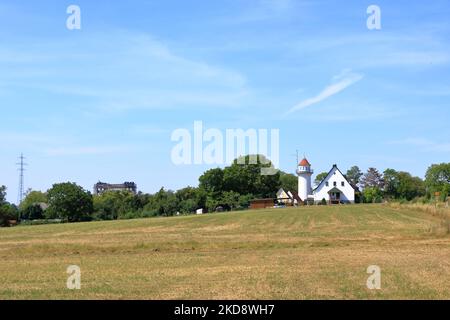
x=304 y=163
x=304 y=167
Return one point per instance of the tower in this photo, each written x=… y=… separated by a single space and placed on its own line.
x=21 y=191
x=304 y=173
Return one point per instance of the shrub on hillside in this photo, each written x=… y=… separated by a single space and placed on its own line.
x=32 y=212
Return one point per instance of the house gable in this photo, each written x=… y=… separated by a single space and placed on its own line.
x=337 y=182
x=334 y=170
x=324 y=180
x=281 y=194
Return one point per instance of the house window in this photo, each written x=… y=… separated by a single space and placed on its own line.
x=334 y=184
x=327 y=184
x=342 y=183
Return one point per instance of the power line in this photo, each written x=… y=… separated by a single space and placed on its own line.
x=21 y=169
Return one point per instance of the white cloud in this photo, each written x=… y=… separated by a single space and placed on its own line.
x=344 y=80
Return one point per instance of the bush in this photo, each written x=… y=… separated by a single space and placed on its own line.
x=40 y=222
x=372 y=195
x=32 y=212
x=8 y=212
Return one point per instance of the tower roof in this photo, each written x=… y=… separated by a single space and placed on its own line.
x=304 y=163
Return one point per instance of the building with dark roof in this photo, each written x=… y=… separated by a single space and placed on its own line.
x=101 y=187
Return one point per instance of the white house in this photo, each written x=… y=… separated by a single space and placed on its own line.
x=288 y=198
x=334 y=188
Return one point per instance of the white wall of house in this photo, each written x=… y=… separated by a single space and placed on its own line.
x=335 y=179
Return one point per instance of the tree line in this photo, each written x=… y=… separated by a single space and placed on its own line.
x=389 y=185
x=230 y=188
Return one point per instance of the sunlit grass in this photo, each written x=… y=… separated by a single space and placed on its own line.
x=295 y=253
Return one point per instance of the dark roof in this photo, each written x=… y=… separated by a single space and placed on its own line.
x=296 y=196
x=334 y=190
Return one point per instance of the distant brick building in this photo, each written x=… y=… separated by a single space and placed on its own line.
x=101 y=187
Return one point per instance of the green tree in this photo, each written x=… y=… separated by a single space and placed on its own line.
x=211 y=204
x=32 y=212
x=230 y=199
x=190 y=199
x=164 y=203
x=401 y=185
x=372 y=195
x=2 y=195
x=391 y=183
x=354 y=175
x=437 y=179
x=372 y=178
x=245 y=177
x=244 y=201
x=320 y=177
x=33 y=197
x=289 y=182
x=212 y=181
x=7 y=211
x=410 y=187
x=70 y=202
x=107 y=205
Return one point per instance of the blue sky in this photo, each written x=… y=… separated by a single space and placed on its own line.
x=101 y=103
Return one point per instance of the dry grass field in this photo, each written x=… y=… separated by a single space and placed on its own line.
x=296 y=253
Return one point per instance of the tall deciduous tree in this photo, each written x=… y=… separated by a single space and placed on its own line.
x=70 y=202
x=7 y=211
x=288 y=181
x=212 y=181
x=190 y=199
x=401 y=185
x=437 y=179
x=32 y=198
x=244 y=177
x=391 y=183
